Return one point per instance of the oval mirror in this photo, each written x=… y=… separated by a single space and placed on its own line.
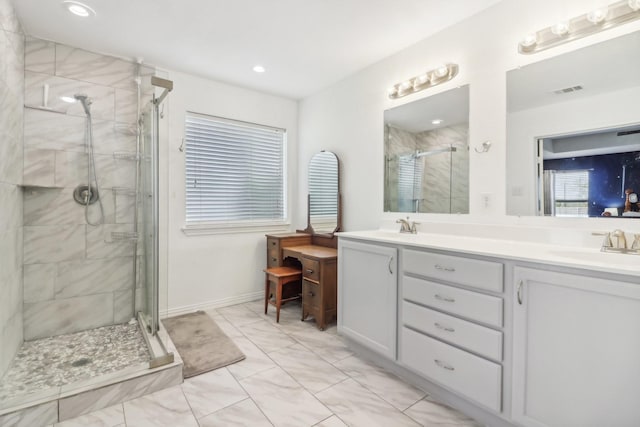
x=324 y=193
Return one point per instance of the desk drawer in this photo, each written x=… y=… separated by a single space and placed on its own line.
x=464 y=271
x=310 y=294
x=311 y=269
x=473 y=305
x=273 y=252
x=479 y=339
x=469 y=375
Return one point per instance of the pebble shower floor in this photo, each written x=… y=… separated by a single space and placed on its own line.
x=57 y=361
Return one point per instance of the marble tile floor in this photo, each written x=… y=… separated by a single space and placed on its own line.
x=294 y=375
x=56 y=361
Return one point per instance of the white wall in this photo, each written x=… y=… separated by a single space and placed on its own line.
x=348 y=117
x=215 y=270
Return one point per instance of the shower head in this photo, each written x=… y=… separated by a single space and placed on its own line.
x=86 y=102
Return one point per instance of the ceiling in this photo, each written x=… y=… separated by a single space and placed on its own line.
x=305 y=45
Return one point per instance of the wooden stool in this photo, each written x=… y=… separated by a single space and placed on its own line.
x=280 y=276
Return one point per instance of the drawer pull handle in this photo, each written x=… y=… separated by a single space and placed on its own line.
x=311 y=294
x=519 y=293
x=445 y=298
x=310 y=271
x=273 y=243
x=390 y=261
x=274 y=259
x=443 y=365
x=441 y=268
x=444 y=328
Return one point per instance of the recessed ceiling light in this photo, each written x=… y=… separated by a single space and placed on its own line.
x=259 y=69
x=69 y=99
x=79 y=9
x=436 y=121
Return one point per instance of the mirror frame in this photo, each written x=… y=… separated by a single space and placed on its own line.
x=309 y=229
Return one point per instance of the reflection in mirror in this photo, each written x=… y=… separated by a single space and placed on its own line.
x=573 y=132
x=427 y=154
x=324 y=192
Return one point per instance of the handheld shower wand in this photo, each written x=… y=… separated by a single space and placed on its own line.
x=85 y=101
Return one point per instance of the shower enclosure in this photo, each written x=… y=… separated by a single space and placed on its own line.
x=427 y=181
x=91 y=290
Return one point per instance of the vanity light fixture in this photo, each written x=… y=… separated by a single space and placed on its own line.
x=431 y=78
x=69 y=99
x=78 y=8
x=591 y=22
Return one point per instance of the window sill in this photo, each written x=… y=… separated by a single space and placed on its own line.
x=234 y=227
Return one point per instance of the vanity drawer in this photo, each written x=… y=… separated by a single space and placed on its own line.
x=473 y=305
x=476 y=338
x=273 y=252
x=464 y=271
x=311 y=269
x=462 y=372
x=310 y=294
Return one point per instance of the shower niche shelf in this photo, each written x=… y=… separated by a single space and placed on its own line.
x=43 y=108
x=122 y=236
x=124 y=191
x=125 y=155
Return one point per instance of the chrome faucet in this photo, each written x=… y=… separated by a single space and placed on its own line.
x=407 y=226
x=621 y=240
x=616 y=241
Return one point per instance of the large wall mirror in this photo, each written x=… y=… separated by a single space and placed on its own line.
x=573 y=133
x=426 y=147
x=324 y=207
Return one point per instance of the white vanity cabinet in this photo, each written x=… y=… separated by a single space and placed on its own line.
x=450 y=323
x=367 y=295
x=576 y=354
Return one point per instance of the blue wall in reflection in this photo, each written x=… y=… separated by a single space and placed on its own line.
x=605 y=179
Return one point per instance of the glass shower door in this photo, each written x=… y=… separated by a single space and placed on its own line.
x=149 y=217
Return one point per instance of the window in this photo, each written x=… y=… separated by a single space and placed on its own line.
x=570 y=192
x=235 y=173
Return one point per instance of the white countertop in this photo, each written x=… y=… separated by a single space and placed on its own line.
x=563 y=256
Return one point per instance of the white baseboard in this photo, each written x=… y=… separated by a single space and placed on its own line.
x=208 y=305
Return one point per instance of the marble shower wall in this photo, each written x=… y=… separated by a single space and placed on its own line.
x=11 y=100
x=439 y=183
x=77 y=276
x=445 y=184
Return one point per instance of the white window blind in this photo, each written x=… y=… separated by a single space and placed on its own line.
x=571 y=192
x=235 y=171
x=410 y=173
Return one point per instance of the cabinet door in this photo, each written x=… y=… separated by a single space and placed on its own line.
x=367 y=295
x=576 y=359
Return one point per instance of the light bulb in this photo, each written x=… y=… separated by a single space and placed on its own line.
x=441 y=71
x=634 y=4
x=259 y=69
x=529 y=40
x=596 y=16
x=560 y=29
x=436 y=121
x=421 y=79
x=405 y=85
x=69 y=99
x=392 y=91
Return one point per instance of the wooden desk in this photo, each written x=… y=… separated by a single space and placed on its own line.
x=319 y=273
